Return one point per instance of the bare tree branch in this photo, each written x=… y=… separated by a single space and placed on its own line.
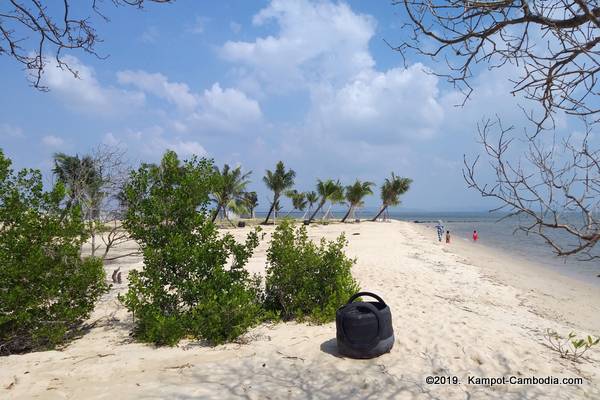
x=555 y=193
x=555 y=43
x=32 y=32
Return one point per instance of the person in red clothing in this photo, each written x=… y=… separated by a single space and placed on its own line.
x=475 y=236
x=447 y=236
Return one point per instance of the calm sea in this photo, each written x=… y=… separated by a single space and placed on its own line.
x=499 y=235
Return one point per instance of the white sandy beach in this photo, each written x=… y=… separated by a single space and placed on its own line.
x=458 y=310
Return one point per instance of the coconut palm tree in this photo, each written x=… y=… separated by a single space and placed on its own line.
x=328 y=190
x=391 y=190
x=311 y=198
x=82 y=179
x=354 y=195
x=229 y=190
x=251 y=201
x=298 y=200
x=278 y=181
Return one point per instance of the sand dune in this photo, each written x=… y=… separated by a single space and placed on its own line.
x=458 y=310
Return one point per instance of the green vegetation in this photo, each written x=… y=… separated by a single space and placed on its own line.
x=354 y=195
x=194 y=282
x=570 y=347
x=229 y=192
x=46 y=288
x=278 y=182
x=305 y=280
x=328 y=190
x=391 y=190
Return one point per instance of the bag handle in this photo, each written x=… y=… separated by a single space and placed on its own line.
x=360 y=294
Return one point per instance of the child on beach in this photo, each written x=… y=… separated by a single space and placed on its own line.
x=475 y=236
x=447 y=236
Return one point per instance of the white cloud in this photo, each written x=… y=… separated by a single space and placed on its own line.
x=158 y=85
x=52 y=141
x=316 y=41
x=10 y=131
x=154 y=141
x=226 y=109
x=381 y=106
x=84 y=92
x=322 y=48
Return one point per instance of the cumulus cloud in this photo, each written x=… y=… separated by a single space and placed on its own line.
x=154 y=141
x=83 y=92
x=381 y=106
x=229 y=110
x=322 y=48
x=316 y=41
x=158 y=85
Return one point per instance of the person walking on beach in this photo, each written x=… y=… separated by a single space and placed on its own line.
x=447 y=236
x=440 y=229
x=475 y=236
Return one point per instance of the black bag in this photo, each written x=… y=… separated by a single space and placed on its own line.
x=364 y=329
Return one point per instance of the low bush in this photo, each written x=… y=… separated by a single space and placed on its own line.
x=305 y=280
x=46 y=288
x=193 y=282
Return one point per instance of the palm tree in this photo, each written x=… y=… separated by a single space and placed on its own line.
x=391 y=190
x=82 y=179
x=278 y=182
x=311 y=197
x=251 y=201
x=230 y=190
x=328 y=191
x=298 y=200
x=355 y=194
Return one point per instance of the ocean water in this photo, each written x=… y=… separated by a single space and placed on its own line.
x=499 y=235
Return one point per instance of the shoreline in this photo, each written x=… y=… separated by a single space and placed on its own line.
x=547 y=288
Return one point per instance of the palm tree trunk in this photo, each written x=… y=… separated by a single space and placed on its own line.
x=326 y=215
x=216 y=213
x=316 y=211
x=305 y=213
x=270 y=211
x=348 y=213
x=383 y=208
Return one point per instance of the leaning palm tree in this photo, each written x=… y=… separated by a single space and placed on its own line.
x=354 y=195
x=299 y=201
x=311 y=198
x=328 y=190
x=251 y=201
x=391 y=190
x=229 y=190
x=278 y=181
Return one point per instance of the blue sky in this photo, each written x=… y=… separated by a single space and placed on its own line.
x=253 y=82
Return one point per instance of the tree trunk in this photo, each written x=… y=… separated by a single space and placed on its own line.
x=216 y=213
x=266 y=221
x=383 y=208
x=316 y=211
x=348 y=213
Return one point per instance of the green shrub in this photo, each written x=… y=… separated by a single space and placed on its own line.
x=193 y=282
x=305 y=280
x=46 y=288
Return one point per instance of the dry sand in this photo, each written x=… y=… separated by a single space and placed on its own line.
x=458 y=310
